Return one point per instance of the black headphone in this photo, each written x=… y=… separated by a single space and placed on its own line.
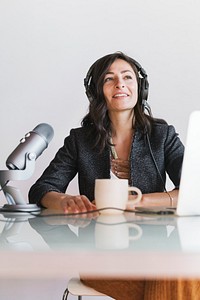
x=143 y=84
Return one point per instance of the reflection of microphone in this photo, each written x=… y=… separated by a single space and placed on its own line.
x=33 y=144
x=10 y=235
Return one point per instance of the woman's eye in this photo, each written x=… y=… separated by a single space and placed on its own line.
x=108 y=79
x=128 y=77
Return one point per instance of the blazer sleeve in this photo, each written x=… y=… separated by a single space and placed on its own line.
x=58 y=174
x=174 y=151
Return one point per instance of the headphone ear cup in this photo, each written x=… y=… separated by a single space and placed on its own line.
x=90 y=92
x=88 y=83
x=143 y=90
x=89 y=95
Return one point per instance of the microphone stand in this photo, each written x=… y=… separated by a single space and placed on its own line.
x=16 y=202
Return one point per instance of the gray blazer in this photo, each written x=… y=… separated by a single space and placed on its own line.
x=78 y=156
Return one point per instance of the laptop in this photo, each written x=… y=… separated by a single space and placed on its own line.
x=189 y=190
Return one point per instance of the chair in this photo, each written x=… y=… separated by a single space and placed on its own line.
x=77 y=288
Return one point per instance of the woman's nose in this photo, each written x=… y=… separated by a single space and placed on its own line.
x=119 y=83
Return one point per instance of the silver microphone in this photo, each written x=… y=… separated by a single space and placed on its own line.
x=33 y=144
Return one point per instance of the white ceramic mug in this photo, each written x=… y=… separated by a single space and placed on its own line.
x=112 y=232
x=114 y=193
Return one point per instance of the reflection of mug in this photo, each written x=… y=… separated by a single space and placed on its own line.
x=112 y=232
x=114 y=193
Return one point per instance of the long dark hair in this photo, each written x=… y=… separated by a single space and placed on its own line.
x=98 y=113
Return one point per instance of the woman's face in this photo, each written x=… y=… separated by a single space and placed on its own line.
x=120 y=86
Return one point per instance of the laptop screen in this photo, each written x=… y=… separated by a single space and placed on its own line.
x=189 y=195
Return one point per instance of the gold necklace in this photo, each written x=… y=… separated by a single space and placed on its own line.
x=113 y=151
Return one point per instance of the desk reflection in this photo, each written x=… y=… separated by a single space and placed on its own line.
x=107 y=232
x=124 y=231
x=13 y=224
x=113 y=232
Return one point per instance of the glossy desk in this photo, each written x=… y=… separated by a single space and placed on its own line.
x=127 y=245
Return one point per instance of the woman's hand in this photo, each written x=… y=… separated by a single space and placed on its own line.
x=67 y=203
x=160 y=199
x=75 y=204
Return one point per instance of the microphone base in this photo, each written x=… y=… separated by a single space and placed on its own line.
x=20 y=208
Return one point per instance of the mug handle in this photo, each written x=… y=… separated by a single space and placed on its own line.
x=139 y=194
x=139 y=232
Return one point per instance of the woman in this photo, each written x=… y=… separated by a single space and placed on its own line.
x=118 y=138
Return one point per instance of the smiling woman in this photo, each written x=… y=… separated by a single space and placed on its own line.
x=117 y=138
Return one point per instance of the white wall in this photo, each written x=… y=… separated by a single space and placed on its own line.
x=47 y=46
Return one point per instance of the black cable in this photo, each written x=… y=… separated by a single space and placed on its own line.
x=159 y=212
